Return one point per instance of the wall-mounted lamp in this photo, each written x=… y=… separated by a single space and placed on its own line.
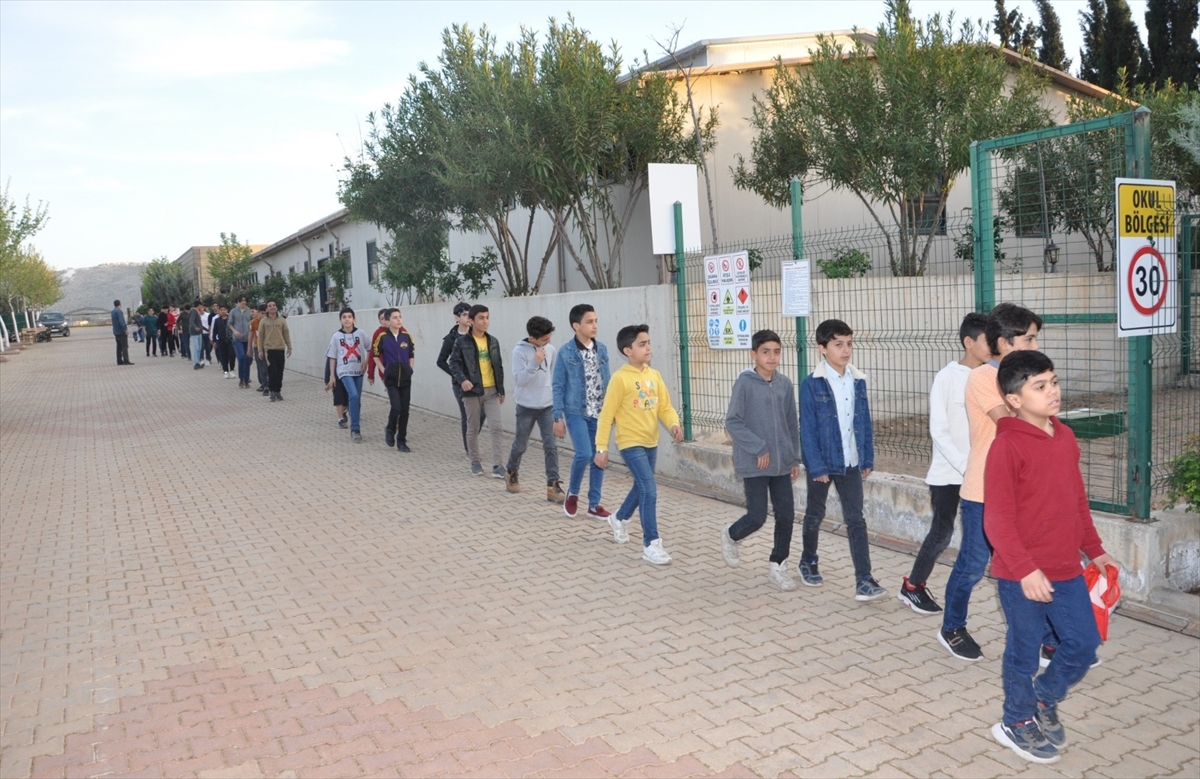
x=1051 y=255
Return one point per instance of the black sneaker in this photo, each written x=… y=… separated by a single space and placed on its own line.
x=960 y=644
x=917 y=598
x=389 y=437
x=1052 y=729
x=1026 y=739
x=810 y=576
x=1048 y=654
x=343 y=422
x=403 y=448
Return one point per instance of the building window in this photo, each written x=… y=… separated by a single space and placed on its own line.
x=372 y=262
x=927 y=215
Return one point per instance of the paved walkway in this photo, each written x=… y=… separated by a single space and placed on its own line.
x=196 y=582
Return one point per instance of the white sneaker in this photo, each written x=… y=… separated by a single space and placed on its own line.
x=227 y=374
x=654 y=553
x=780 y=577
x=620 y=534
x=729 y=549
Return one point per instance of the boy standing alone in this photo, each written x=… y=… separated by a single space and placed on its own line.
x=533 y=367
x=838 y=446
x=1038 y=521
x=581 y=376
x=764 y=426
x=478 y=369
x=950 y=431
x=636 y=402
x=1009 y=328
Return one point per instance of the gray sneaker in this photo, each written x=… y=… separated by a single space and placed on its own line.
x=1026 y=739
x=1052 y=729
x=356 y=436
x=809 y=576
x=499 y=472
x=476 y=469
x=869 y=589
x=729 y=549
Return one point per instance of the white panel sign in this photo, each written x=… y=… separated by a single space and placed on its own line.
x=727 y=287
x=668 y=184
x=1147 y=266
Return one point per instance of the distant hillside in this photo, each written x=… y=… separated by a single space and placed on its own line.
x=91 y=291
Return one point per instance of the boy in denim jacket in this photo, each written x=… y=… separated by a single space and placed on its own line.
x=837 y=446
x=581 y=377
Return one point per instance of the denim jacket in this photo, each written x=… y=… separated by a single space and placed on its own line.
x=820 y=436
x=570 y=388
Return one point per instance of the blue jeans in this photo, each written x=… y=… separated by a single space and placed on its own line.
x=243 y=361
x=197 y=349
x=1070 y=614
x=640 y=461
x=583 y=438
x=973 y=555
x=353 y=385
x=850 y=493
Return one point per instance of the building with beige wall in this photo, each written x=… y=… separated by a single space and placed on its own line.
x=195 y=263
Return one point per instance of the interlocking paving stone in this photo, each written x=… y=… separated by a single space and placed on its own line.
x=196 y=582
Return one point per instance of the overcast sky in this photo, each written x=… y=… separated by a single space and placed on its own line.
x=152 y=127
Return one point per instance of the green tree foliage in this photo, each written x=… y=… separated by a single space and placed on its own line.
x=1091 y=24
x=1122 y=47
x=1171 y=43
x=892 y=125
x=229 y=264
x=489 y=138
x=1186 y=136
x=1049 y=31
x=1013 y=30
x=166 y=283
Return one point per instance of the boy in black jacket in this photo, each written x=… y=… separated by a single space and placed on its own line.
x=462 y=326
x=478 y=369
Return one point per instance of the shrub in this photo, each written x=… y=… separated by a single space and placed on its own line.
x=1183 y=482
x=846 y=264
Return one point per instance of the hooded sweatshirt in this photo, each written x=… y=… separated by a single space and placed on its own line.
x=1036 y=514
x=533 y=380
x=762 y=419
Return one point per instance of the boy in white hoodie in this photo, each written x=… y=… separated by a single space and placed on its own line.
x=951 y=433
x=533 y=373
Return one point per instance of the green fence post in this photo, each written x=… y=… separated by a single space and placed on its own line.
x=685 y=367
x=1189 y=227
x=985 y=239
x=798 y=254
x=1141 y=376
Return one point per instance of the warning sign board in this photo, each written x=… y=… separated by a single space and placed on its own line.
x=729 y=297
x=1147 y=276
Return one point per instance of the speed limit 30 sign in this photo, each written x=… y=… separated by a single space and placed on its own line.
x=1146 y=260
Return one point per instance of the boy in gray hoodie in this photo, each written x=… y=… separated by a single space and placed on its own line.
x=765 y=428
x=533 y=372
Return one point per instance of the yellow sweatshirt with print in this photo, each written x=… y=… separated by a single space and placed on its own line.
x=636 y=401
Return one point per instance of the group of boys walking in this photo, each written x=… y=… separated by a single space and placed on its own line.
x=993 y=422
x=238 y=336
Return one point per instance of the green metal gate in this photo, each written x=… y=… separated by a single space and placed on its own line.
x=1053 y=190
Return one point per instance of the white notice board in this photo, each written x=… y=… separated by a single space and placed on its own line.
x=727 y=289
x=797 y=288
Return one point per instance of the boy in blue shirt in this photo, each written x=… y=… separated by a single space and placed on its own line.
x=837 y=446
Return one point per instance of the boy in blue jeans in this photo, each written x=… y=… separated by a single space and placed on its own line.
x=764 y=426
x=837 y=445
x=1037 y=520
x=581 y=377
x=636 y=403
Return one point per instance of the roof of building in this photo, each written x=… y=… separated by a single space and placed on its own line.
x=336 y=218
x=719 y=56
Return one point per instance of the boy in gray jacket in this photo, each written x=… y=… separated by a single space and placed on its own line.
x=765 y=428
x=533 y=372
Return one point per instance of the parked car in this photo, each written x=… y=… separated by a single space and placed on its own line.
x=55 y=323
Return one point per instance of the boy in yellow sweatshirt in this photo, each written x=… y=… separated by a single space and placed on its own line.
x=636 y=401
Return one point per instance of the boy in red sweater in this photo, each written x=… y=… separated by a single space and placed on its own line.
x=1037 y=520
